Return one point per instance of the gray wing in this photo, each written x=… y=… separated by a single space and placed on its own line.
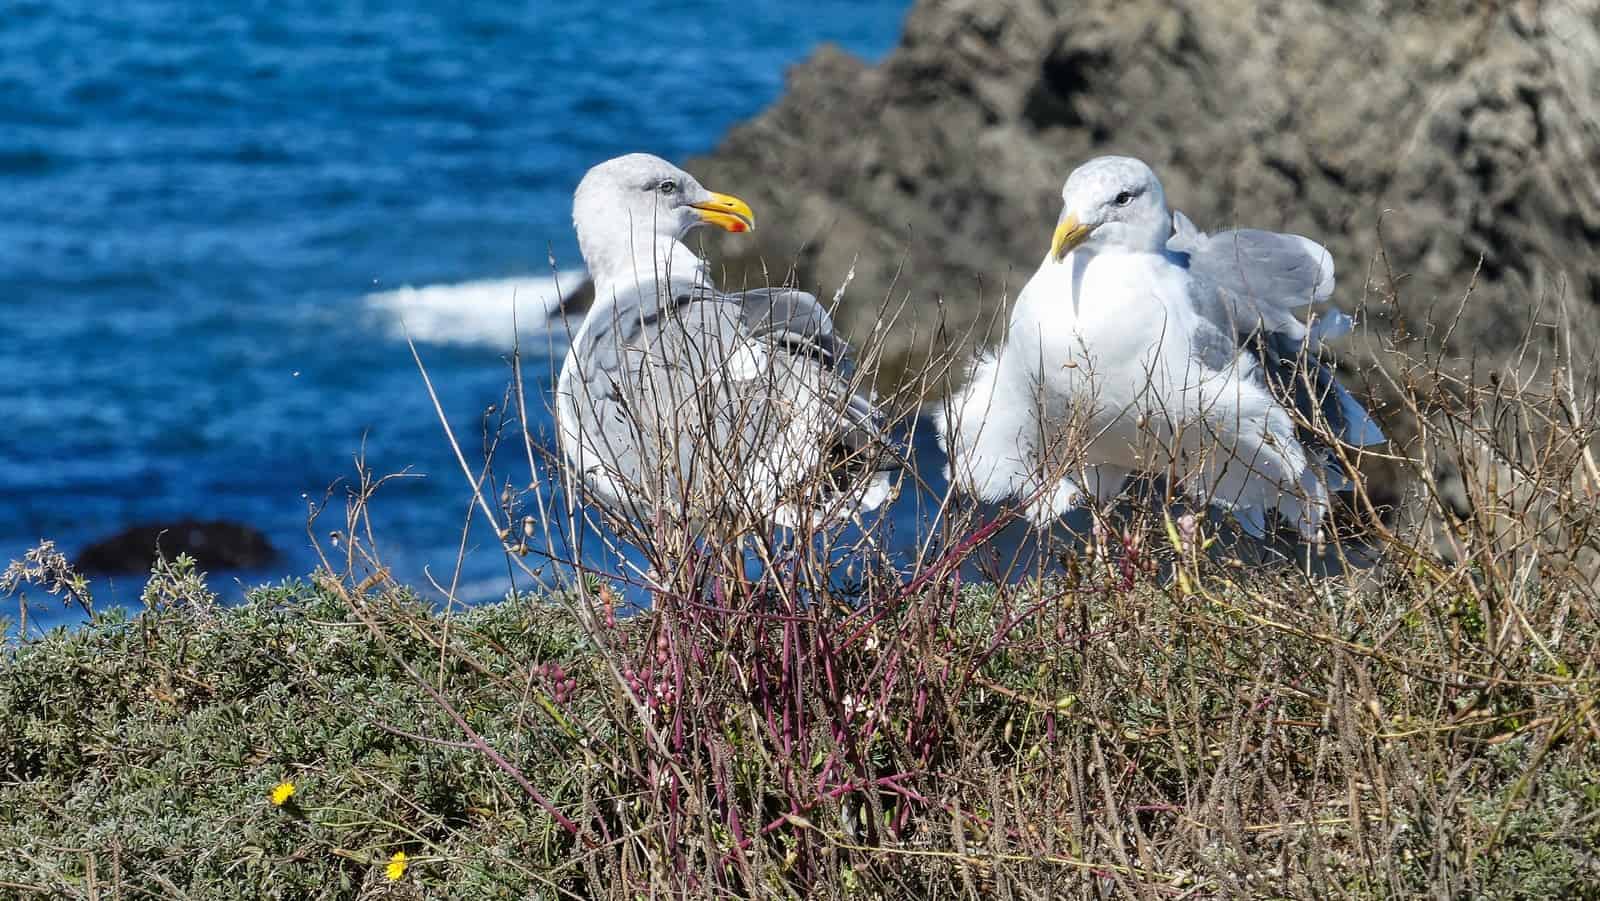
x=1267 y=275
x=794 y=321
x=722 y=400
x=1249 y=283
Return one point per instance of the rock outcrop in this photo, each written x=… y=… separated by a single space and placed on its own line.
x=214 y=545
x=1417 y=140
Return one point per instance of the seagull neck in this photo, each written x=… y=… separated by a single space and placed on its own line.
x=1156 y=244
x=1151 y=235
x=647 y=261
x=1128 y=242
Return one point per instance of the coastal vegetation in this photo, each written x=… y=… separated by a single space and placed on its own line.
x=1147 y=708
x=1156 y=716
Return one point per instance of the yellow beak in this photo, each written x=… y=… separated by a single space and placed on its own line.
x=726 y=211
x=1069 y=234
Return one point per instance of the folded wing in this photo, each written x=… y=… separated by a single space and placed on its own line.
x=1268 y=275
x=733 y=405
x=1263 y=280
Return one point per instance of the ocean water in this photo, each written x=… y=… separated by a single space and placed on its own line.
x=214 y=219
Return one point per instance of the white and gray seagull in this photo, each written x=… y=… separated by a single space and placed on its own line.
x=1144 y=345
x=681 y=399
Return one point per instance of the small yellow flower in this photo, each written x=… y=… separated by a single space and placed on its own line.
x=282 y=792
x=397 y=866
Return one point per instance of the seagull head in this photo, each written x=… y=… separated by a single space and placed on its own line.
x=1111 y=202
x=640 y=194
x=631 y=214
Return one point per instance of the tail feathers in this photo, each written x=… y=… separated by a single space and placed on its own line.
x=1331 y=324
x=1359 y=428
x=866 y=460
x=876 y=492
x=866 y=432
x=1303 y=381
x=857 y=473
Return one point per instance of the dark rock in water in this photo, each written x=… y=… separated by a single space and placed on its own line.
x=1412 y=139
x=214 y=544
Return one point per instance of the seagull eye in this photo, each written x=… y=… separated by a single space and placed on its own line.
x=1124 y=199
x=667 y=188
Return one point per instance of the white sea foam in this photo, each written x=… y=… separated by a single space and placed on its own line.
x=476 y=312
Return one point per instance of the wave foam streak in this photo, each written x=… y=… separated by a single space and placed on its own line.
x=488 y=312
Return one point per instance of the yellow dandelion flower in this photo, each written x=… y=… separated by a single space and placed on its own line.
x=397 y=866
x=282 y=792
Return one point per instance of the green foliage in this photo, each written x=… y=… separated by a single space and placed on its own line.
x=144 y=750
x=1246 y=737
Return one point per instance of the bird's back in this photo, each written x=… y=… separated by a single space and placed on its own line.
x=737 y=407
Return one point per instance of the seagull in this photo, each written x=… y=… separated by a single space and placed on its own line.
x=718 y=409
x=1144 y=345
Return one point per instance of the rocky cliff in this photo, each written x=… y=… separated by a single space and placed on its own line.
x=1417 y=140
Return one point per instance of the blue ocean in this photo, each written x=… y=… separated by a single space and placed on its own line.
x=218 y=221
